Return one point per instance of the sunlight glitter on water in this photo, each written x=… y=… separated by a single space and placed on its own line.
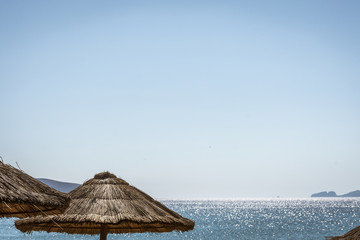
x=245 y=219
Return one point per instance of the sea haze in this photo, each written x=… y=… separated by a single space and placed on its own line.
x=245 y=219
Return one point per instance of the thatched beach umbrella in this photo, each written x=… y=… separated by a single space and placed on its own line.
x=107 y=204
x=22 y=195
x=353 y=234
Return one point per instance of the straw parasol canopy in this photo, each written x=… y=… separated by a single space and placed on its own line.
x=22 y=195
x=353 y=234
x=107 y=204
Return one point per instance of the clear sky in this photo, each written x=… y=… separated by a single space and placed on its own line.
x=184 y=99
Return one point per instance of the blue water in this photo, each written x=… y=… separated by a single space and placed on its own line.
x=245 y=219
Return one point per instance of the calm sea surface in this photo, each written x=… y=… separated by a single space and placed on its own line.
x=246 y=219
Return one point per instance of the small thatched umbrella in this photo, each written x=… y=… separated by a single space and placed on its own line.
x=22 y=195
x=107 y=204
x=353 y=234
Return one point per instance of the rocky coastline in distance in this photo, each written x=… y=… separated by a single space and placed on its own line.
x=333 y=194
x=66 y=187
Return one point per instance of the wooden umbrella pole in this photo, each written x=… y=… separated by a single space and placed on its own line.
x=103 y=233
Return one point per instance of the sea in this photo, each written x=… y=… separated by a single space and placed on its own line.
x=240 y=219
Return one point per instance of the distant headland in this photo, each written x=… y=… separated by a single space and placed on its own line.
x=333 y=194
x=60 y=186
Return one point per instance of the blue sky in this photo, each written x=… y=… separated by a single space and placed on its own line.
x=184 y=99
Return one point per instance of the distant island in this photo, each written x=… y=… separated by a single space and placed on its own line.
x=333 y=194
x=60 y=186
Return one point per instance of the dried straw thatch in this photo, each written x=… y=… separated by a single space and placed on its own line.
x=22 y=195
x=353 y=234
x=107 y=204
